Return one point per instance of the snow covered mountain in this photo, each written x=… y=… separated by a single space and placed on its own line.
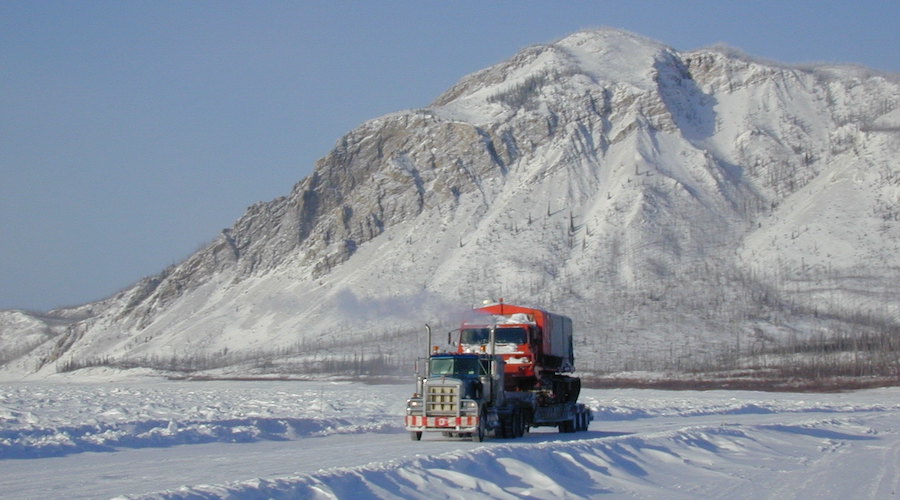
x=677 y=205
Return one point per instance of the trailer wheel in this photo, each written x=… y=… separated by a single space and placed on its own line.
x=415 y=435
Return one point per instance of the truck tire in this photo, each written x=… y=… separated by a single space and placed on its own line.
x=512 y=426
x=504 y=431
x=478 y=435
x=518 y=424
x=415 y=435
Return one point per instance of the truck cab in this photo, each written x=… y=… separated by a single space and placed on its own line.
x=456 y=395
x=512 y=340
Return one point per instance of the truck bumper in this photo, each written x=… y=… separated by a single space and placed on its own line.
x=450 y=423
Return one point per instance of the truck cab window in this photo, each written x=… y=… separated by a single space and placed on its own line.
x=503 y=335
x=475 y=336
x=442 y=366
x=517 y=335
x=454 y=366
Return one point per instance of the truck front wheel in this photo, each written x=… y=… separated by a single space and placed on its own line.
x=478 y=435
x=415 y=435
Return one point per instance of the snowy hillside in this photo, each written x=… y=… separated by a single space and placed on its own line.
x=682 y=207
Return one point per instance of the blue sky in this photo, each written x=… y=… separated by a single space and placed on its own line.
x=132 y=132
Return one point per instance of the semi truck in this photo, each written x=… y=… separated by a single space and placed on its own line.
x=508 y=372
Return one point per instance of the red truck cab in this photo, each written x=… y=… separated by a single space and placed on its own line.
x=511 y=340
x=531 y=341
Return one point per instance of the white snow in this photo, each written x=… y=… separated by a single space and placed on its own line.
x=286 y=439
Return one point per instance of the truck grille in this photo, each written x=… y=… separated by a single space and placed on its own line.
x=442 y=399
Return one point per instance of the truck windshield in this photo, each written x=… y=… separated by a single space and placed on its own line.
x=454 y=366
x=516 y=335
x=503 y=335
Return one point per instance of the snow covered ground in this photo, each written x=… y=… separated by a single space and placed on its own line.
x=280 y=439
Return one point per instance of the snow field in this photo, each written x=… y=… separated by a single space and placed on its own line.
x=44 y=420
x=344 y=440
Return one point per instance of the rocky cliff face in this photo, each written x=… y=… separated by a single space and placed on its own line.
x=660 y=198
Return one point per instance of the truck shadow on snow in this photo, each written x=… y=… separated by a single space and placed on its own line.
x=536 y=436
x=543 y=436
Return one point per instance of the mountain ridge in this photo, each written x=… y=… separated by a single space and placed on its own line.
x=604 y=171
